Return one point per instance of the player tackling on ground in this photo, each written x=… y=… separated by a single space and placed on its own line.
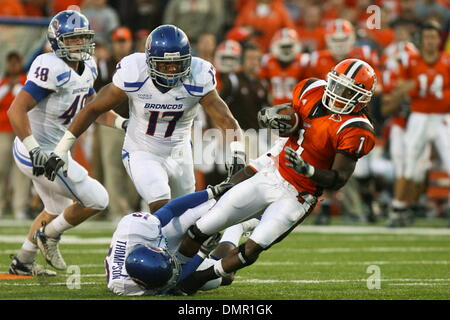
x=59 y=84
x=334 y=133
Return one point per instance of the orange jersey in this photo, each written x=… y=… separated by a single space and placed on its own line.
x=282 y=79
x=323 y=135
x=392 y=59
x=6 y=98
x=432 y=91
x=267 y=24
x=322 y=62
x=312 y=39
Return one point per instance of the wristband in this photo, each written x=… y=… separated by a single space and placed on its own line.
x=310 y=171
x=66 y=143
x=237 y=147
x=210 y=193
x=30 y=143
x=119 y=122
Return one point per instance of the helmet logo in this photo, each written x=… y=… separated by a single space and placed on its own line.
x=171 y=54
x=55 y=24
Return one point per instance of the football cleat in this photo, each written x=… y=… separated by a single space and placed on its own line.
x=49 y=248
x=28 y=269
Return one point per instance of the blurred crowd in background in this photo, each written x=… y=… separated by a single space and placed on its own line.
x=261 y=49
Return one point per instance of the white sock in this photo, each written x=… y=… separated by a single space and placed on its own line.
x=232 y=234
x=28 y=252
x=218 y=269
x=57 y=226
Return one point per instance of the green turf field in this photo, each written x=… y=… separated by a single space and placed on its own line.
x=312 y=263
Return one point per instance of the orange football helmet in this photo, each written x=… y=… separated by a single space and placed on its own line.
x=340 y=37
x=285 y=45
x=350 y=86
x=228 y=56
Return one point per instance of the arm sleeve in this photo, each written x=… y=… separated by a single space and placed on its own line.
x=37 y=92
x=180 y=205
x=355 y=142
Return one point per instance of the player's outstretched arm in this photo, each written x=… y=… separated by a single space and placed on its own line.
x=106 y=99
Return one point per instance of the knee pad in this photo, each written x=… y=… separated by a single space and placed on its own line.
x=195 y=234
x=244 y=258
x=101 y=200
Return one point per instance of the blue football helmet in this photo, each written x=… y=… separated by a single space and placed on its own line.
x=168 y=55
x=66 y=24
x=153 y=269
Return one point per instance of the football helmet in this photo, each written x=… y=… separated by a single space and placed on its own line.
x=70 y=24
x=152 y=268
x=340 y=37
x=168 y=55
x=350 y=86
x=228 y=56
x=285 y=45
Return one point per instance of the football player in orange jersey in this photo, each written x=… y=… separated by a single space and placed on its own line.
x=321 y=153
x=395 y=104
x=426 y=79
x=340 y=38
x=227 y=59
x=284 y=66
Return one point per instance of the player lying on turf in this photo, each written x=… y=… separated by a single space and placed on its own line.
x=334 y=132
x=140 y=259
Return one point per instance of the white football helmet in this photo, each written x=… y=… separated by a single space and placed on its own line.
x=228 y=56
x=340 y=38
x=285 y=45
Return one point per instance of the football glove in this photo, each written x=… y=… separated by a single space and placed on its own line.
x=38 y=160
x=237 y=163
x=221 y=188
x=268 y=117
x=54 y=163
x=297 y=163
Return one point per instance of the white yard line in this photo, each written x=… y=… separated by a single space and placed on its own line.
x=314 y=263
x=64 y=240
x=340 y=229
x=370 y=230
x=402 y=282
x=65 y=251
x=368 y=249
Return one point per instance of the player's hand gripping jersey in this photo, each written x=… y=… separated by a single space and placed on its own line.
x=161 y=122
x=322 y=135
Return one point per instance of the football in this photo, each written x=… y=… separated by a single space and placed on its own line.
x=294 y=121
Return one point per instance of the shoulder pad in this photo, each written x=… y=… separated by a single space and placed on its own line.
x=309 y=84
x=133 y=68
x=202 y=78
x=131 y=72
x=358 y=122
x=49 y=72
